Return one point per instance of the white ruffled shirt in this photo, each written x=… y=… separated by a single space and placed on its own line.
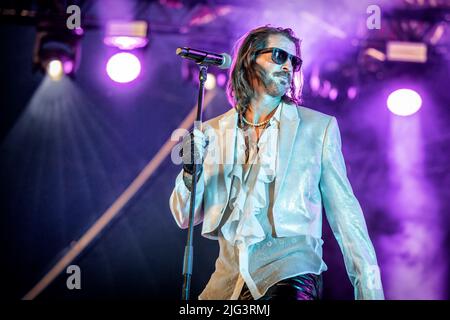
x=248 y=250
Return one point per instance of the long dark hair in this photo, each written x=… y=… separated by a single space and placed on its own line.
x=244 y=69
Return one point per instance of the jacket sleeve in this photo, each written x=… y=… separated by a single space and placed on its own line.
x=180 y=198
x=346 y=219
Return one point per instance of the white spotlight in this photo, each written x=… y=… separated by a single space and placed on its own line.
x=55 y=69
x=210 y=82
x=404 y=102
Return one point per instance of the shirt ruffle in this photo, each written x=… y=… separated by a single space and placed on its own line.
x=248 y=195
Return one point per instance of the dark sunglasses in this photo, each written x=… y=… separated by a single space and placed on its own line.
x=279 y=56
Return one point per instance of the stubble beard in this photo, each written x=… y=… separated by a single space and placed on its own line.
x=274 y=85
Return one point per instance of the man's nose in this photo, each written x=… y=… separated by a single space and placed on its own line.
x=287 y=66
x=287 y=69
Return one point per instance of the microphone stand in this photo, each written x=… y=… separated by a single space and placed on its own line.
x=189 y=249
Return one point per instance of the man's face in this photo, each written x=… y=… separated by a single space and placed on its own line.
x=277 y=79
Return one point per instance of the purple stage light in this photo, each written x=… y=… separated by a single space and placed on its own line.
x=333 y=94
x=325 y=89
x=404 y=102
x=68 y=66
x=126 y=35
x=123 y=67
x=79 y=31
x=126 y=42
x=352 y=92
x=221 y=80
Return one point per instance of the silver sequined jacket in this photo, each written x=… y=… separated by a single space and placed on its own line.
x=311 y=172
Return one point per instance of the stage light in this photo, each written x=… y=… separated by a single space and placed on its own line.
x=314 y=80
x=55 y=69
x=376 y=54
x=123 y=67
x=325 y=89
x=126 y=35
x=221 y=80
x=407 y=51
x=404 y=102
x=210 y=82
x=57 y=51
x=127 y=43
x=333 y=94
x=352 y=92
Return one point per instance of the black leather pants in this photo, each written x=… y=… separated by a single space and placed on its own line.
x=302 y=287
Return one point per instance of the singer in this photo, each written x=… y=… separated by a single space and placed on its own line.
x=269 y=164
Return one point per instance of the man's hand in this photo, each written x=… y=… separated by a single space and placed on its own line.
x=197 y=141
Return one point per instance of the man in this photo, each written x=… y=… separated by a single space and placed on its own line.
x=269 y=164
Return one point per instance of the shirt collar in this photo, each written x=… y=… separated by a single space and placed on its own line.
x=275 y=119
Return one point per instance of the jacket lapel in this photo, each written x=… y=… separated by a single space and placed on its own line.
x=227 y=141
x=289 y=122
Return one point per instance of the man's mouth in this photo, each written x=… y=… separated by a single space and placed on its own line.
x=284 y=79
x=284 y=76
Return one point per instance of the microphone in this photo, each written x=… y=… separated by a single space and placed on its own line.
x=222 y=60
